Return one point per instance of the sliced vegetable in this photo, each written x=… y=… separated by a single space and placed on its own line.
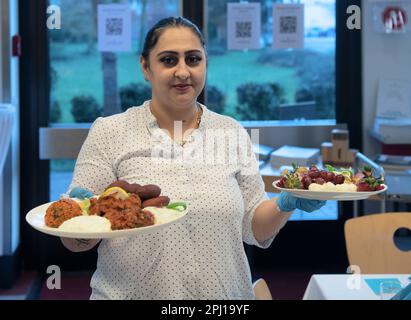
x=85 y=206
x=118 y=193
x=347 y=172
x=179 y=206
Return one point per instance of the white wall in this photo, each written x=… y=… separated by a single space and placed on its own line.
x=386 y=56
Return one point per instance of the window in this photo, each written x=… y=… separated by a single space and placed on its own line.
x=292 y=79
x=269 y=84
x=86 y=83
x=272 y=84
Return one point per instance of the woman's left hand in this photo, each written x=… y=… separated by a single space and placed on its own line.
x=287 y=202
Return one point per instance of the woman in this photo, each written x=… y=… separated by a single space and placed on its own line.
x=203 y=256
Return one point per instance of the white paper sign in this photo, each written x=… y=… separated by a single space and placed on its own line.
x=114 y=27
x=288 y=26
x=394 y=99
x=243 y=26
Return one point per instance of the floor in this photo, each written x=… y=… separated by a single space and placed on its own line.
x=24 y=288
x=74 y=286
x=283 y=284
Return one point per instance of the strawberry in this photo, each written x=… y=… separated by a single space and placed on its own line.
x=281 y=182
x=338 y=179
x=323 y=174
x=306 y=181
x=319 y=181
x=330 y=177
x=313 y=172
x=363 y=186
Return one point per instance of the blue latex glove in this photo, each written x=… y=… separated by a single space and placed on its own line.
x=80 y=193
x=286 y=202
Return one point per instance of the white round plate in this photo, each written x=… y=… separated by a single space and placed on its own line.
x=329 y=195
x=35 y=218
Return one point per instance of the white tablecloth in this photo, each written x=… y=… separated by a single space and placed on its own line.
x=346 y=286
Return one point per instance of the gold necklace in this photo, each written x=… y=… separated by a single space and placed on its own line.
x=198 y=121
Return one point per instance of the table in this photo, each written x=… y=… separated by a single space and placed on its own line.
x=397 y=180
x=347 y=286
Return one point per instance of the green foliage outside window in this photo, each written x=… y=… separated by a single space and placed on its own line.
x=215 y=99
x=259 y=101
x=85 y=108
x=55 y=112
x=134 y=94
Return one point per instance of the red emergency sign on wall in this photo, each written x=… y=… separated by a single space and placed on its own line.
x=16 y=46
x=394 y=18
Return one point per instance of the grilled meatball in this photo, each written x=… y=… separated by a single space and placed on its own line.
x=60 y=211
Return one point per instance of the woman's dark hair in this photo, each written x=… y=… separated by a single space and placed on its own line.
x=171 y=22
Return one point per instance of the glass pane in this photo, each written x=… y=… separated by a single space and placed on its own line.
x=61 y=173
x=86 y=83
x=276 y=84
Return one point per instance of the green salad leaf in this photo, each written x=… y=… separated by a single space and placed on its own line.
x=330 y=168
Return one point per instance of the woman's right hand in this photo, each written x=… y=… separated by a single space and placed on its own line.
x=79 y=245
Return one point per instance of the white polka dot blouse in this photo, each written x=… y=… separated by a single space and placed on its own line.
x=201 y=256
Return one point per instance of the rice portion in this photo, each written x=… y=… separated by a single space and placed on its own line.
x=164 y=215
x=345 y=187
x=86 y=224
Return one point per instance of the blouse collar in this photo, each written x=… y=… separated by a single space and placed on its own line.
x=152 y=124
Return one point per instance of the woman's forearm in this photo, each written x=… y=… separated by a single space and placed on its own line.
x=268 y=220
x=79 y=245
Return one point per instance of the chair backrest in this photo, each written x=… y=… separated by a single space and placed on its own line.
x=370 y=243
x=261 y=290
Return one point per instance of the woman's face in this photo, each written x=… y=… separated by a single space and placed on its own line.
x=176 y=68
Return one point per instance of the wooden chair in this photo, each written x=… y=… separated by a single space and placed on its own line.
x=261 y=290
x=370 y=243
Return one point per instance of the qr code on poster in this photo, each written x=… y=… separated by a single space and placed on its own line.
x=114 y=26
x=288 y=24
x=243 y=29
